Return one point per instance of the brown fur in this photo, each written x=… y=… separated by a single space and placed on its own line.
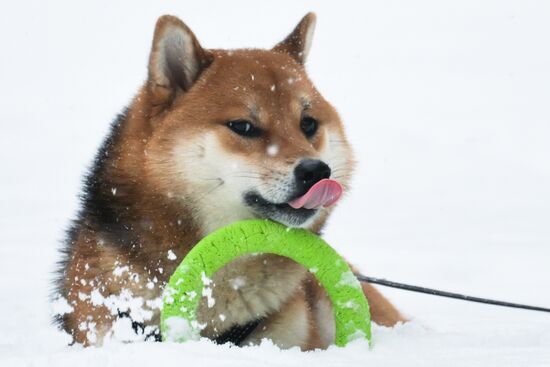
x=140 y=205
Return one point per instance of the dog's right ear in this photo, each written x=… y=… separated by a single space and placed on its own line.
x=176 y=61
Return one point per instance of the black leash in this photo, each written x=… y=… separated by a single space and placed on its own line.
x=435 y=292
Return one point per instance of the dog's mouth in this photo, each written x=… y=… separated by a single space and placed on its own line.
x=300 y=207
x=280 y=212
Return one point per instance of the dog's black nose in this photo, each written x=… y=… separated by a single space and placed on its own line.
x=309 y=172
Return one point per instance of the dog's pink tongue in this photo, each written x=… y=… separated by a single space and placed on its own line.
x=324 y=193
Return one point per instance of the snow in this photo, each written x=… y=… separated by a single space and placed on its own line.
x=238 y=282
x=180 y=328
x=347 y=279
x=446 y=104
x=171 y=255
x=207 y=290
x=272 y=150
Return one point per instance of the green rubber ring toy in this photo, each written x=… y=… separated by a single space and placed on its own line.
x=178 y=321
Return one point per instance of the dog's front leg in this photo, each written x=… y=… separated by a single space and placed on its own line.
x=254 y=287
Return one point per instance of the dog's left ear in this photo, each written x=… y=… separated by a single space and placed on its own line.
x=298 y=43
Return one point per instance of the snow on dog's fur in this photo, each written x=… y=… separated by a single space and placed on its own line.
x=213 y=137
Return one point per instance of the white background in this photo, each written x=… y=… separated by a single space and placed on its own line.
x=446 y=104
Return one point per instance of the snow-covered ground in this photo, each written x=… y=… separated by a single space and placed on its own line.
x=446 y=103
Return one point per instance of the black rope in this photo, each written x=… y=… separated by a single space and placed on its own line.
x=435 y=292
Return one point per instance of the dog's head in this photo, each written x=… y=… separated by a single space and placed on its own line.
x=243 y=134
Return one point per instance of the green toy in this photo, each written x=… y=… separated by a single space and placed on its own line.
x=183 y=292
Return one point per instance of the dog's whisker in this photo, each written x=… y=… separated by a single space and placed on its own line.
x=250 y=177
x=246 y=172
x=340 y=168
x=342 y=176
x=211 y=190
x=209 y=179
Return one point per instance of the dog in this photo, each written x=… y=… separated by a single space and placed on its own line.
x=212 y=137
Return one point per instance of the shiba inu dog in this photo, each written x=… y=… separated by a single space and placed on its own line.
x=212 y=137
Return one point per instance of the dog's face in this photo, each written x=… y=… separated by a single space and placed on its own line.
x=248 y=136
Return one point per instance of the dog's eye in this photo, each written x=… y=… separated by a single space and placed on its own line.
x=244 y=128
x=309 y=126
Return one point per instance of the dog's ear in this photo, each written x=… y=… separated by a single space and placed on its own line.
x=177 y=59
x=298 y=43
